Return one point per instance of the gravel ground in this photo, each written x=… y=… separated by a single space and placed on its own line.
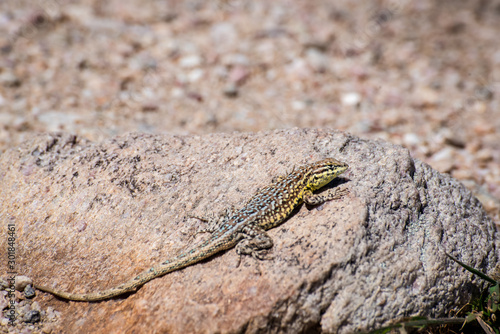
x=423 y=74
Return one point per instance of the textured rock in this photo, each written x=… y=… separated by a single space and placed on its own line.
x=89 y=216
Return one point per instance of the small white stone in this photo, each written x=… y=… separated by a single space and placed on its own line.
x=317 y=59
x=445 y=154
x=350 y=99
x=190 y=61
x=21 y=282
x=298 y=105
x=35 y=306
x=298 y=68
x=195 y=75
x=176 y=92
x=223 y=34
x=411 y=139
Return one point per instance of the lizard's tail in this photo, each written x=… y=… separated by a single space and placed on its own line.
x=190 y=257
x=129 y=286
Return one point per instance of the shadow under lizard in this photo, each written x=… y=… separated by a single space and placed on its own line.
x=244 y=229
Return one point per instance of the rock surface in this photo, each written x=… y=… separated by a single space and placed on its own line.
x=89 y=216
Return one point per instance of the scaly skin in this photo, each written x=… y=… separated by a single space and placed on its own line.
x=245 y=229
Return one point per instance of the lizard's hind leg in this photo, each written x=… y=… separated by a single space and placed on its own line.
x=256 y=242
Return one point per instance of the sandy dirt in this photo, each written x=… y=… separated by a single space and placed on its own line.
x=424 y=75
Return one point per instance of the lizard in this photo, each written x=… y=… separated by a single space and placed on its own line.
x=244 y=229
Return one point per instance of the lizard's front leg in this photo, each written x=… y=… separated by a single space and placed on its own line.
x=330 y=194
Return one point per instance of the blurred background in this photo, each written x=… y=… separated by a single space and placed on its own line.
x=422 y=74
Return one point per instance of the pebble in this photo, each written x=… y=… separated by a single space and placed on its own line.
x=52 y=315
x=195 y=75
x=238 y=75
x=462 y=174
x=425 y=97
x=3 y=300
x=455 y=141
x=47 y=328
x=149 y=106
x=298 y=105
x=317 y=60
x=190 y=61
x=231 y=90
x=489 y=202
x=484 y=128
x=32 y=317
x=484 y=156
x=22 y=282
x=479 y=107
x=443 y=160
x=3 y=284
x=350 y=99
x=176 y=92
x=194 y=96
x=411 y=139
x=29 y=291
x=36 y=306
x=9 y=79
x=223 y=34
x=444 y=154
x=298 y=69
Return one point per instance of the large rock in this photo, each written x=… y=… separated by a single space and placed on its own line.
x=89 y=216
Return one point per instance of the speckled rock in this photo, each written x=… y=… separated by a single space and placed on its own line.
x=89 y=216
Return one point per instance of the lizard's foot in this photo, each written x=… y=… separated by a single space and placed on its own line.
x=330 y=194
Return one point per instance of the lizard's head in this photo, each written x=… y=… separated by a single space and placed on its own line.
x=323 y=172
